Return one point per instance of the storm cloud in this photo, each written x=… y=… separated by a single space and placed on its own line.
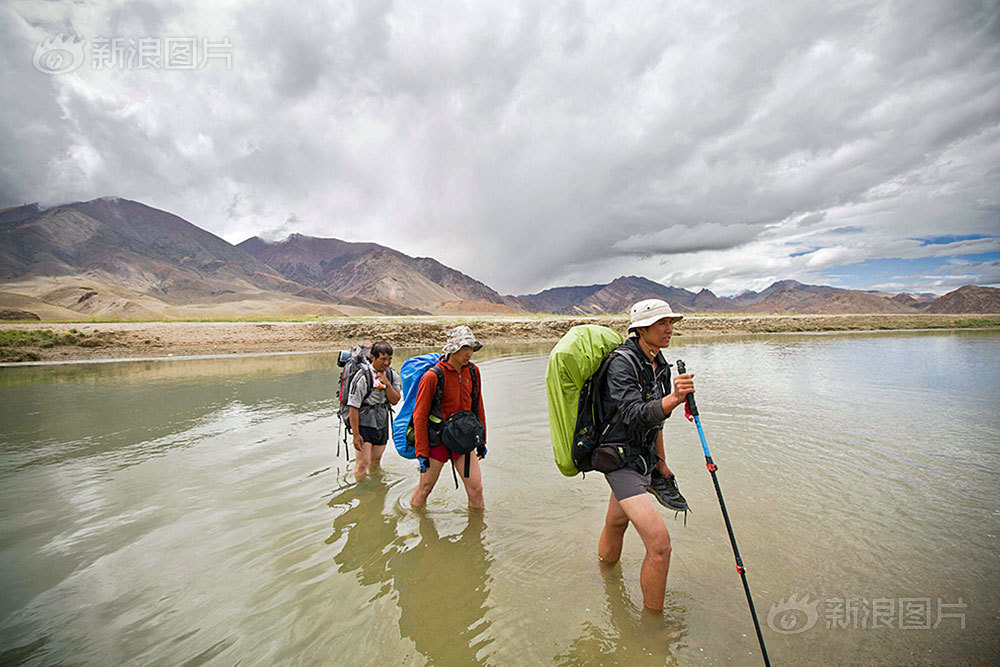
x=531 y=145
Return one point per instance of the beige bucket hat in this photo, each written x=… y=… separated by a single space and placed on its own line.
x=650 y=311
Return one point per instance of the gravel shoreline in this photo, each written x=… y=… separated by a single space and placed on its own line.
x=124 y=340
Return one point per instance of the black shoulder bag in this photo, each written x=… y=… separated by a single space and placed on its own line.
x=462 y=432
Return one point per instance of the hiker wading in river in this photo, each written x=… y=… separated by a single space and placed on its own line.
x=450 y=395
x=636 y=389
x=373 y=391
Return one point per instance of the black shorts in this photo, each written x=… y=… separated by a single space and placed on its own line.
x=374 y=436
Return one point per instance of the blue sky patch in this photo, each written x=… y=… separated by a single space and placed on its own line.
x=952 y=238
x=874 y=272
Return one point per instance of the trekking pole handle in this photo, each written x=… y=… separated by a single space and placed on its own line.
x=691 y=405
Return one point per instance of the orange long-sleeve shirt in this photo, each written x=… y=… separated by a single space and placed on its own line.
x=455 y=397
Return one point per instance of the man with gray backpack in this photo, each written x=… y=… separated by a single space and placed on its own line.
x=372 y=391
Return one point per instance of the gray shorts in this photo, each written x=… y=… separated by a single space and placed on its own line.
x=627 y=482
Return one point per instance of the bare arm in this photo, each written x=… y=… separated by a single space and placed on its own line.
x=353 y=419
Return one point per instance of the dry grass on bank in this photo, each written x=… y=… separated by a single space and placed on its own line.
x=75 y=341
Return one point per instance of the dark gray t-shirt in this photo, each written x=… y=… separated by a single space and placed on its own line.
x=373 y=412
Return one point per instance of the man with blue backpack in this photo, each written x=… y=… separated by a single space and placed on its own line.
x=449 y=423
x=374 y=389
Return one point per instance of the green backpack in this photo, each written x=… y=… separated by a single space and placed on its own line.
x=574 y=359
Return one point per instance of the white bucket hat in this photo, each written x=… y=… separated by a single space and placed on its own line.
x=650 y=311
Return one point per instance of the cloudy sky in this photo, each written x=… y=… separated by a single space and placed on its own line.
x=534 y=144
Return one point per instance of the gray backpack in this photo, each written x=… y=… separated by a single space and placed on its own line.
x=360 y=359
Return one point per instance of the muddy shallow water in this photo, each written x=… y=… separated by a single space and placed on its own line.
x=198 y=510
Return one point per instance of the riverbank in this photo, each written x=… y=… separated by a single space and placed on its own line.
x=123 y=340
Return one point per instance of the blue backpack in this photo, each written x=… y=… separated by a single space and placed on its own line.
x=410 y=373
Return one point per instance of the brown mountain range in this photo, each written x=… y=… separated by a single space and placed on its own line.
x=114 y=258
x=968 y=299
x=783 y=297
x=618 y=295
x=375 y=273
x=790 y=296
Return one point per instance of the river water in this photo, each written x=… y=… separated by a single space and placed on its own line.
x=197 y=511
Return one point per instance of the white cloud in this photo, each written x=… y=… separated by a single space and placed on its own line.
x=536 y=144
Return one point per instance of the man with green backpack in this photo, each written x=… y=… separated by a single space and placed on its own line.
x=635 y=393
x=608 y=398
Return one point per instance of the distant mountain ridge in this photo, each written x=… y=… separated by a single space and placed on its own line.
x=968 y=299
x=618 y=295
x=371 y=271
x=112 y=257
x=791 y=296
x=782 y=297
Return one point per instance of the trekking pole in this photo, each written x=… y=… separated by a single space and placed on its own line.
x=342 y=435
x=692 y=414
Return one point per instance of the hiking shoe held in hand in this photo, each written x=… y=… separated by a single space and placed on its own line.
x=665 y=490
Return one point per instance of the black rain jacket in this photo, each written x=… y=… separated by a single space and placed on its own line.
x=636 y=397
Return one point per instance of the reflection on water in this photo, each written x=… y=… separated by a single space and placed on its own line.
x=636 y=636
x=443 y=586
x=198 y=511
x=440 y=583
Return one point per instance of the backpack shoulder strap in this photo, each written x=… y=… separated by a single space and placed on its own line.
x=630 y=354
x=365 y=369
x=439 y=392
x=627 y=353
x=350 y=374
x=347 y=375
x=476 y=384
